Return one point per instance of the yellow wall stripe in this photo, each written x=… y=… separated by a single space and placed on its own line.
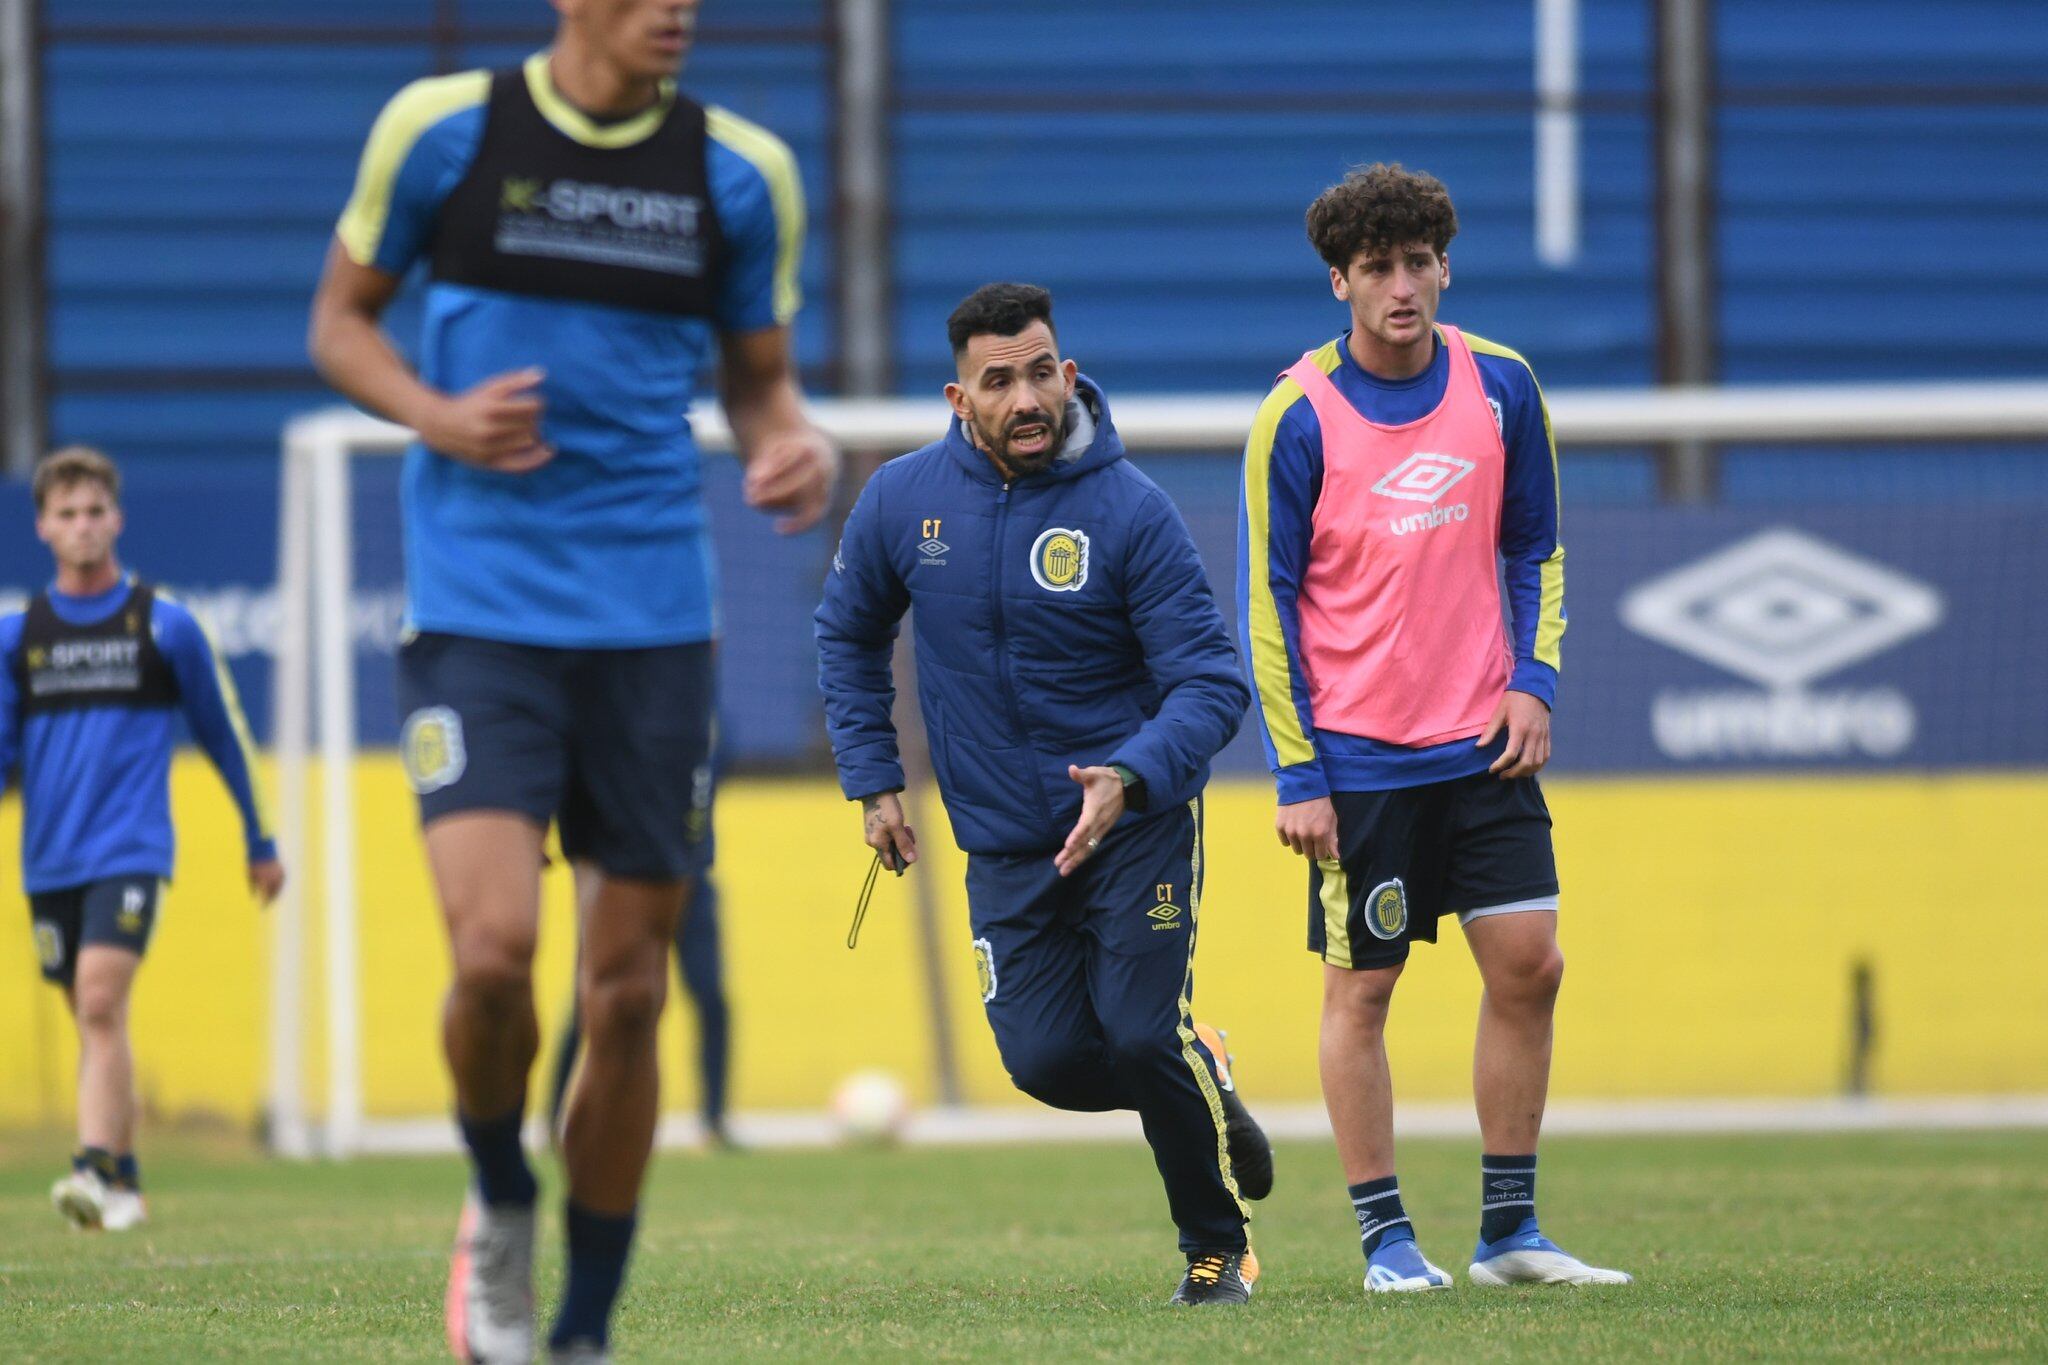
x=1550 y=601
x=574 y=123
x=771 y=156
x=410 y=113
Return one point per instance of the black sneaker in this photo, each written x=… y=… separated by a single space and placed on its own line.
x=1251 y=1155
x=1217 y=1277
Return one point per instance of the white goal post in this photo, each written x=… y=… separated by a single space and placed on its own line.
x=315 y=675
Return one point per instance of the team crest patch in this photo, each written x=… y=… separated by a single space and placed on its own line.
x=985 y=969
x=1386 y=910
x=431 y=746
x=133 y=899
x=1059 y=560
x=49 y=945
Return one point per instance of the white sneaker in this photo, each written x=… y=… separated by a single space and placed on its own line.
x=82 y=1198
x=1528 y=1257
x=123 y=1210
x=490 y=1285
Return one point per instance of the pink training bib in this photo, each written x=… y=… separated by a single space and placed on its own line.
x=1401 y=630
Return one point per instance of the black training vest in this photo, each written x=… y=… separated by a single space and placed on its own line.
x=113 y=662
x=540 y=213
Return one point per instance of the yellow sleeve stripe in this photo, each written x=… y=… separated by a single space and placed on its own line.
x=1550 y=602
x=238 y=721
x=410 y=113
x=771 y=156
x=1272 y=673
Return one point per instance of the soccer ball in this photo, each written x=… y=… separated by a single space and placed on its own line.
x=870 y=1106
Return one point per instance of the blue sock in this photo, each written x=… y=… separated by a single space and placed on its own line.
x=127 y=1173
x=502 y=1175
x=598 y=1246
x=1507 y=1190
x=1380 y=1215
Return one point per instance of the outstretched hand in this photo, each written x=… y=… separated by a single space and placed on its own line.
x=1102 y=805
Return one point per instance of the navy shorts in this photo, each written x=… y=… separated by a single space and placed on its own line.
x=1472 y=846
x=116 y=912
x=612 y=745
x=1116 y=938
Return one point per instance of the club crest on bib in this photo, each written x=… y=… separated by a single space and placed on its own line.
x=1386 y=910
x=431 y=747
x=1059 y=559
x=985 y=969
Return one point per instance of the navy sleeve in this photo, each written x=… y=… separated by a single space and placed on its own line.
x=1283 y=478
x=1532 y=554
x=856 y=622
x=214 y=712
x=1187 y=653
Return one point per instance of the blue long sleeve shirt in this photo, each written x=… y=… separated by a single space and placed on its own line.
x=95 y=780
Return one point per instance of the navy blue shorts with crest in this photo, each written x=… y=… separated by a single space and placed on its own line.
x=1470 y=846
x=612 y=745
x=115 y=912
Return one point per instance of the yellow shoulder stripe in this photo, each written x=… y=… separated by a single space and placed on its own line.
x=1272 y=672
x=410 y=113
x=1328 y=358
x=1550 y=601
x=771 y=156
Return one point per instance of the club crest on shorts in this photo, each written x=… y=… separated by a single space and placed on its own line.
x=431 y=747
x=1059 y=559
x=1386 y=910
x=133 y=898
x=985 y=969
x=49 y=945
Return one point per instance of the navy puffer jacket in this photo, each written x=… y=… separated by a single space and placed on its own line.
x=1063 y=618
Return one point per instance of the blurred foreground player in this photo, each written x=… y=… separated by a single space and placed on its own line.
x=97 y=670
x=1390 y=476
x=1075 y=678
x=700 y=963
x=589 y=233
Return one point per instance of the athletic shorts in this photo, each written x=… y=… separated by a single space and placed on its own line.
x=611 y=745
x=117 y=912
x=1473 y=846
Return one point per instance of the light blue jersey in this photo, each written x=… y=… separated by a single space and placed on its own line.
x=606 y=545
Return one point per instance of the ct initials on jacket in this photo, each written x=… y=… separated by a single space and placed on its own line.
x=1061 y=618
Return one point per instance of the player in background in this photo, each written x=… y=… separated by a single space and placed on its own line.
x=592 y=238
x=1075 y=678
x=1389 y=475
x=97 y=670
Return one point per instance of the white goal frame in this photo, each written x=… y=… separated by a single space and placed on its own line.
x=315 y=673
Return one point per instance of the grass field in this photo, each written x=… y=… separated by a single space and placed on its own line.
x=1870 y=1246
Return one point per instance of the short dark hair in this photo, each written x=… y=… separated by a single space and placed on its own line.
x=997 y=310
x=61 y=469
x=1380 y=208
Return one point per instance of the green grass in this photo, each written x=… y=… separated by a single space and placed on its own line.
x=1868 y=1246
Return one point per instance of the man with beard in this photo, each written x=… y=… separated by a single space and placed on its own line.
x=1076 y=678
